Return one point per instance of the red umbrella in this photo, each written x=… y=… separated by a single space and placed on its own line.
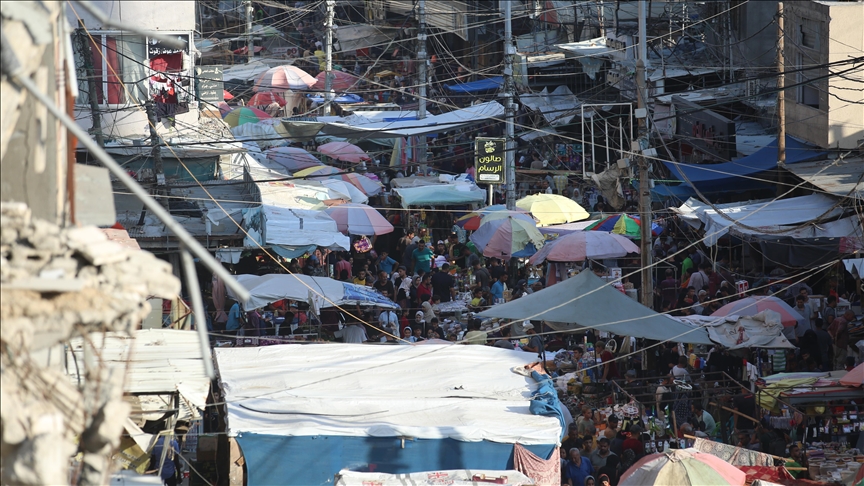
x=341 y=81
x=226 y=95
x=754 y=305
x=265 y=98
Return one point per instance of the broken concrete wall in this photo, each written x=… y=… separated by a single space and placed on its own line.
x=57 y=283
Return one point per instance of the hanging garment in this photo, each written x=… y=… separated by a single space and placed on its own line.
x=544 y=472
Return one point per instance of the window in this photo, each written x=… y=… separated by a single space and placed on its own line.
x=810 y=32
x=118 y=68
x=808 y=94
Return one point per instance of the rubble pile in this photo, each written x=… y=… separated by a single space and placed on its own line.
x=56 y=283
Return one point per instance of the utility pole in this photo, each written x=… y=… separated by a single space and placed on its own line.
x=421 y=72
x=87 y=57
x=509 y=154
x=644 y=180
x=328 y=53
x=250 y=43
x=781 y=99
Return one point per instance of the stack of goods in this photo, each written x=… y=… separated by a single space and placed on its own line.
x=832 y=462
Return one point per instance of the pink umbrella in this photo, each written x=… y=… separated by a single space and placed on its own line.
x=364 y=184
x=224 y=108
x=581 y=245
x=226 y=95
x=751 y=306
x=344 y=151
x=359 y=219
x=283 y=78
x=265 y=98
x=292 y=158
x=341 y=81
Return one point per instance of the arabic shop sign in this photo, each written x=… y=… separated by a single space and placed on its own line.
x=489 y=160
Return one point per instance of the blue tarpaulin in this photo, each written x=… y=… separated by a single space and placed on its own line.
x=274 y=459
x=487 y=84
x=738 y=174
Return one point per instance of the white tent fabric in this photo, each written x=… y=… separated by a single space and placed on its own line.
x=270 y=288
x=588 y=301
x=409 y=128
x=361 y=390
x=245 y=72
x=302 y=227
x=566 y=228
x=440 y=194
x=764 y=330
x=768 y=214
x=854 y=266
x=558 y=107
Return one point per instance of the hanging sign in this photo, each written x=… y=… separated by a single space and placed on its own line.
x=489 y=154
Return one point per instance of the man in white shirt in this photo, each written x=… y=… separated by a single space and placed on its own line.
x=389 y=322
x=699 y=280
x=679 y=371
x=354 y=333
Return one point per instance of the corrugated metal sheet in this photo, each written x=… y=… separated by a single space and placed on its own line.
x=155 y=361
x=840 y=177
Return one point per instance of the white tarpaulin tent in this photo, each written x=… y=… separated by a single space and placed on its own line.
x=768 y=214
x=855 y=266
x=764 y=330
x=440 y=195
x=422 y=392
x=302 y=227
x=271 y=288
x=558 y=107
x=409 y=128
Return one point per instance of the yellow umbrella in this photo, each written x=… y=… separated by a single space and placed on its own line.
x=551 y=209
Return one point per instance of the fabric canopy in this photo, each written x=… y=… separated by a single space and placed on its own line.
x=271 y=288
x=487 y=84
x=440 y=195
x=558 y=107
x=714 y=178
x=771 y=215
x=588 y=301
x=764 y=330
x=421 y=392
x=409 y=128
x=302 y=227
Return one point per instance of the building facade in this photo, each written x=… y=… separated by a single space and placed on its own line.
x=822 y=106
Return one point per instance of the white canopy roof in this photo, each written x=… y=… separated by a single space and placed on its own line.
x=273 y=287
x=408 y=128
x=466 y=393
x=302 y=227
x=558 y=107
x=440 y=194
x=770 y=215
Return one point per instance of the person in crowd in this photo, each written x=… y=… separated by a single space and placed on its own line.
x=839 y=331
x=824 y=345
x=611 y=427
x=384 y=285
x=388 y=321
x=341 y=266
x=585 y=422
x=498 y=288
x=171 y=465
x=704 y=421
x=590 y=481
x=422 y=257
x=360 y=279
x=679 y=371
x=353 y=332
x=443 y=283
x=633 y=442
x=598 y=457
x=408 y=336
x=603 y=480
x=425 y=287
x=610 y=365
x=418 y=335
x=505 y=343
x=385 y=263
x=616 y=443
x=535 y=342
x=482 y=275
x=577 y=469
x=474 y=334
x=628 y=458
x=572 y=438
x=235 y=320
